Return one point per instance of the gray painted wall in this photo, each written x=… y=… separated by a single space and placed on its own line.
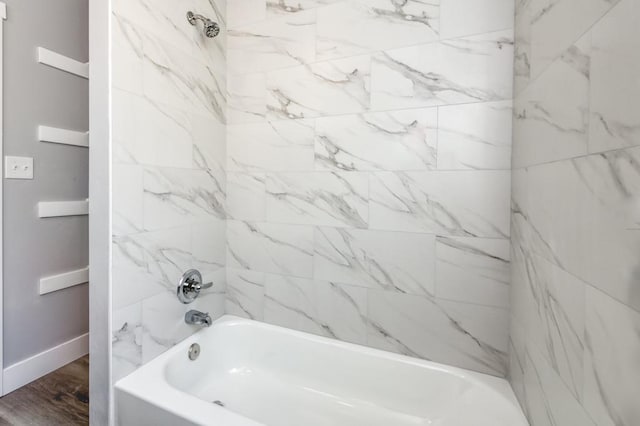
x=36 y=94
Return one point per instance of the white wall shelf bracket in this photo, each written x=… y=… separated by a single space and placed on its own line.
x=65 y=280
x=63 y=136
x=63 y=208
x=64 y=63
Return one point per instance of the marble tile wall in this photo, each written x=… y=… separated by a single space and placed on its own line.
x=575 y=300
x=169 y=183
x=368 y=172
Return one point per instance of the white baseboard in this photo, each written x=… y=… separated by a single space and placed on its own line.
x=30 y=369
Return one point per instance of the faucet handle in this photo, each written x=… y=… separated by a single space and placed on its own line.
x=205 y=285
x=190 y=286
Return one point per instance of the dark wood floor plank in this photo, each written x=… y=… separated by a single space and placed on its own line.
x=59 y=398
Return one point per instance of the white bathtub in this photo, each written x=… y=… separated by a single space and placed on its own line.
x=268 y=375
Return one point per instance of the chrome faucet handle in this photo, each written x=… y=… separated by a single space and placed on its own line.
x=190 y=286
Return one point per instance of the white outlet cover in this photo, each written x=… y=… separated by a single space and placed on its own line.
x=18 y=167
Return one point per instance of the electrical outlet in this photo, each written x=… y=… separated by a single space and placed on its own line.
x=18 y=167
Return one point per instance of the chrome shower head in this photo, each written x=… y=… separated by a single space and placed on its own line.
x=211 y=29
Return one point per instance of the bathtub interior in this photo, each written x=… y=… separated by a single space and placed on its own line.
x=261 y=371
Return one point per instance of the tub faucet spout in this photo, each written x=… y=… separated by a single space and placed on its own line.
x=194 y=317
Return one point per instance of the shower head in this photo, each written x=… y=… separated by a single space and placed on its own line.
x=210 y=29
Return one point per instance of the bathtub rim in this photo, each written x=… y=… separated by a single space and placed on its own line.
x=149 y=383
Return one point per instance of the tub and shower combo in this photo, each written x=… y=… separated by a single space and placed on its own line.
x=240 y=372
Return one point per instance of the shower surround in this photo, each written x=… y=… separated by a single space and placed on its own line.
x=168 y=177
x=575 y=303
x=368 y=172
x=337 y=167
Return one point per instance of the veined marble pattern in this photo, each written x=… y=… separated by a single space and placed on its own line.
x=391 y=261
x=319 y=307
x=475 y=136
x=364 y=202
x=246 y=98
x=460 y=203
x=172 y=77
x=611 y=361
x=551 y=117
x=324 y=88
x=163 y=319
x=556 y=25
x=398 y=140
x=275 y=146
x=615 y=88
x=269 y=247
x=459 y=18
x=246 y=196
x=174 y=197
x=473 y=270
x=547 y=400
x=575 y=239
x=272 y=44
x=280 y=7
x=245 y=294
x=464 y=70
x=576 y=202
x=354 y=27
x=169 y=136
x=325 y=199
x=126 y=340
x=469 y=336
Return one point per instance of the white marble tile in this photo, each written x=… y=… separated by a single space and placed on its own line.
x=551 y=116
x=272 y=44
x=163 y=320
x=548 y=402
x=557 y=25
x=276 y=146
x=127 y=56
x=319 y=307
x=150 y=132
x=174 y=197
x=318 y=198
x=342 y=311
x=290 y=302
x=208 y=248
x=286 y=7
x=162 y=19
x=270 y=247
x=475 y=136
x=243 y=12
x=245 y=294
x=354 y=27
x=468 y=336
x=464 y=70
x=145 y=264
x=397 y=140
x=517 y=360
x=555 y=322
x=457 y=203
x=209 y=144
x=324 y=88
x=170 y=76
x=246 y=196
x=615 y=89
x=126 y=341
x=612 y=371
x=459 y=18
x=127 y=199
x=394 y=261
x=246 y=98
x=573 y=204
x=473 y=270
